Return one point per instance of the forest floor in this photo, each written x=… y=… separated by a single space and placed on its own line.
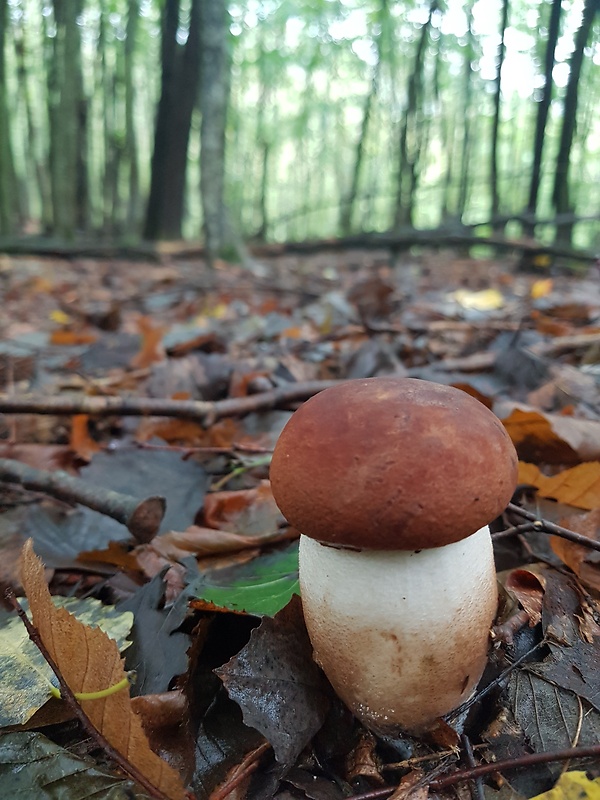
x=123 y=381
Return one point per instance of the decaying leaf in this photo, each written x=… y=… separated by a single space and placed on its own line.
x=33 y=766
x=573 y=786
x=278 y=685
x=25 y=675
x=90 y=662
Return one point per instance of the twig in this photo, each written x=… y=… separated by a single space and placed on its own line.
x=70 y=699
x=141 y=517
x=470 y=759
x=528 y=760
x=555 y=530
x=248 y=765
x=203 y=412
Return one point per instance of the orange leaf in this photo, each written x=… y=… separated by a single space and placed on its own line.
x=152 y=350
x=552 y=438
x=80 y=440
x=89 y=661
x=72 y=338
x=578 y=486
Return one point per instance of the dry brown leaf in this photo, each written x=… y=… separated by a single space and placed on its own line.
x=152 y=347
x=80 y=440
x=580 y=559
x=89 y=661
x=551 y=438
x=578 y=486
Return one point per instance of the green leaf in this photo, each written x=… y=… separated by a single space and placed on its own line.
x=261 y=588
x=25 y=677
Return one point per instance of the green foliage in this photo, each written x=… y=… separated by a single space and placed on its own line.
x=302 y=71
x=261 y=588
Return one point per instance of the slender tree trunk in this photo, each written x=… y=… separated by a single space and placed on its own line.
x=560 y=193
x=348 y=203
x=9 y=211
x=214 y=98
x=465 y=160
x=67 y=120
x=38 y=168
x=410 y=132
x=131 y=150
x=179 y=93
x=542 y=112
x=494 y=163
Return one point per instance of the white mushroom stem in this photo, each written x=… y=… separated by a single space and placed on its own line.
x=401 y=635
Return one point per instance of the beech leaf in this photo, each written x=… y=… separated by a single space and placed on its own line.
x=89 y=662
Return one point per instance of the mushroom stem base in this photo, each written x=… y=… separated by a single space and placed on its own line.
x=401 y=635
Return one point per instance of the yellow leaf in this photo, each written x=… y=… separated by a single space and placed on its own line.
x=485 y=300
x=541 y=288
x=573 y=786
x=61 y=317
x=89 y=662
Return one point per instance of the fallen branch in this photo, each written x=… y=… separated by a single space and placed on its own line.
x=141 y=517
x=201 y=411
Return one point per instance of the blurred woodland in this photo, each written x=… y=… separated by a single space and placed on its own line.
x=280 y=120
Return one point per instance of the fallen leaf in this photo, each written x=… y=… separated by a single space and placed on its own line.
x=551 y=438
x=585 y=563
x=573 y=786
x=578 y=486
x=32 y=766
x=89 y=662
x=80 y=440
x=278 y=686
x=261 y=587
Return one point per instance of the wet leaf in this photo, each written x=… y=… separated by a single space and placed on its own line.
x=277 y=684
x=33 y=766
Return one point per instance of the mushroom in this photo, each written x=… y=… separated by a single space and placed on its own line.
x=392 y=483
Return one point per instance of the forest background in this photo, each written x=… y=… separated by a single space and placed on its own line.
x=288 y=119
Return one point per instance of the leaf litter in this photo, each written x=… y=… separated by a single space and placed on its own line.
x=215 y=590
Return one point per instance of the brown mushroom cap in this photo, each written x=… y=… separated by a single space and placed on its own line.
x=392 y=464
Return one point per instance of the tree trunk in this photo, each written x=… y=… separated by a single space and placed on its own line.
x=465 y=160
x=9 y=212
x=494 y=163
x=67 y=121
x=131 y=150
x=214 y=97
x=542 y=112
x=411 y=128
x=179 y=93
x=560 y=192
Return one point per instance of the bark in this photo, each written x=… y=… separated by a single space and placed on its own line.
x=37 y=164
x=543 y=108
x=560 y=194
x=410 y=132
x=67 y=115
x=179 y=94
x=214 y=101
x=9 y=212
x=467 y=93
x=494 y=164
x=131 y=149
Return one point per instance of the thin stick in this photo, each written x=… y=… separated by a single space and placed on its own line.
x=528 y=760
x=205 y=413
x=555 y=530
x=141 y=517
x=70 y=699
